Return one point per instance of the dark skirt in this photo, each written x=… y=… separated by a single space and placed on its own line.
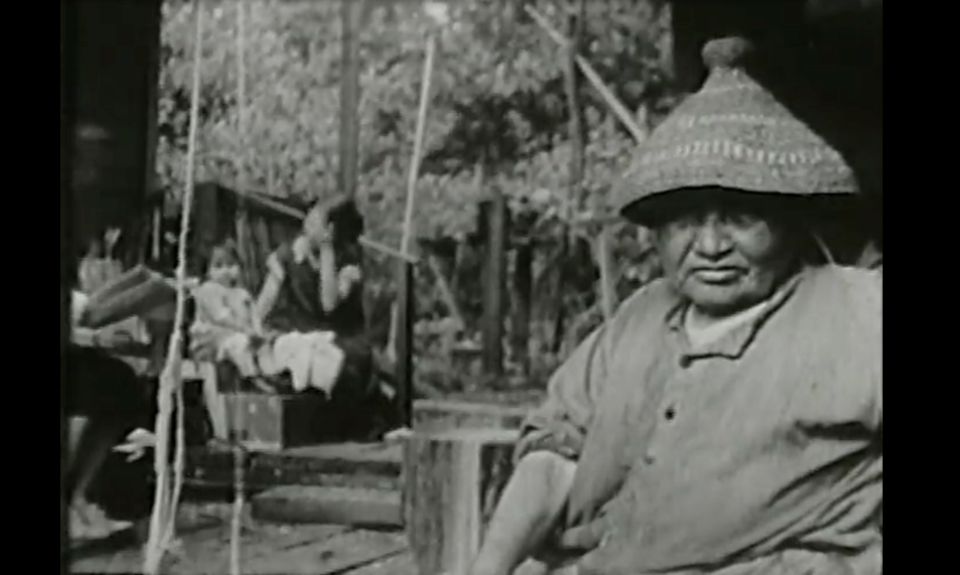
x=107 y=390
x=104 y=388
x=355 y=378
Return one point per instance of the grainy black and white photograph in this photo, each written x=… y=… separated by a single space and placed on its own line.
x=471 y=287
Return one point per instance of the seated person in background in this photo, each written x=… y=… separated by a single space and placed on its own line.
x=98 y=266
x=311 y=303
x=226 y=324
x=226 y=328
x=105 y=402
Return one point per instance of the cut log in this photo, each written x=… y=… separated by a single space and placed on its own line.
x=452 y=481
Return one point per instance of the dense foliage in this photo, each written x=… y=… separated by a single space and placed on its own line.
x=498 y=100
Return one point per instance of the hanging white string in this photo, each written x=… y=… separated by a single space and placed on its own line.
x=236 y=519
x=166 y=500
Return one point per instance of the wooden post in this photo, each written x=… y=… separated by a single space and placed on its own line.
x=68 y=83
x=152 y=73
x=404 y=345
x=452 y=482
x=351 y=13
x=522 y=287
x=494 y=284
x=575 y=24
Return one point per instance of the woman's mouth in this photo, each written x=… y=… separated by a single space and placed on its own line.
x=718 y=275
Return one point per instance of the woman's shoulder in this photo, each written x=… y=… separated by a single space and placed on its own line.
x=865 y=284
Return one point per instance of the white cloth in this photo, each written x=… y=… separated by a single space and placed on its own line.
x=237 y=349
x=312 y=359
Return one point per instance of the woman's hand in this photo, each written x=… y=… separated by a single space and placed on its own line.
x=348 y=277
x=317 y=226
x=136 y=444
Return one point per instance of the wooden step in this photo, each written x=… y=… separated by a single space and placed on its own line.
x=440 y=415
x=329 y=505
x=367 y=465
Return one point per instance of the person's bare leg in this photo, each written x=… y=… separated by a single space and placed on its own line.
x=77 y=427
x=213 y=399
x=91 y=453
x=527 y=512
x=89 y=444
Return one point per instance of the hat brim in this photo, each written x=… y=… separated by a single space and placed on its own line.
x=656 y=209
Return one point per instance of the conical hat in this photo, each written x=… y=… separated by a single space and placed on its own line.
x=732 y=134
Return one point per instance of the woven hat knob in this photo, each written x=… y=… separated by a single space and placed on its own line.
x=726 y=52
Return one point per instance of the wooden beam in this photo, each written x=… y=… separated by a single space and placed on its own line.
x=452 y=481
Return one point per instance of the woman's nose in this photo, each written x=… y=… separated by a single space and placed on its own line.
x=712 y=237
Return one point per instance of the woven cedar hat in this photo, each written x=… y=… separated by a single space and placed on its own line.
x=732 y=134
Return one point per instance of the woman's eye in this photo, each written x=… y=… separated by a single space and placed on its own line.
x=741 y=220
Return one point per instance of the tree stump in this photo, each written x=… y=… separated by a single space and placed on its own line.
x=452 y=482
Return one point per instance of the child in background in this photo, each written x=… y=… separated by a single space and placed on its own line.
x=226 y=328
x=225 y=314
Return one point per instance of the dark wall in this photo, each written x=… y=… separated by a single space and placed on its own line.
x=822 y=59
x=112 y=55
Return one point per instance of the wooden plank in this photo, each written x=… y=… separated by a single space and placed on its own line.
x=337 y=554
x=438 y=415
x=129 y=558
x=337 y=505
x=212 y=554
x=400 y=564
x=208 y=550
x=375 y=466
x=452 y=481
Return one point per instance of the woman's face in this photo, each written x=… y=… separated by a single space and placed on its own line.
x=724 y=252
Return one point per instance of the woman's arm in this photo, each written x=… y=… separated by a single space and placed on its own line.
x=329 y=284
x=551 y=439
x=270 y=290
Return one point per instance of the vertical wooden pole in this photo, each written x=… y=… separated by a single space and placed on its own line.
x=351 y=13
x=151 y=120
x=522 y=287
x=576 y=25
x=404 y=345
x=68 y=82
x=245 y=247
x=494 y=284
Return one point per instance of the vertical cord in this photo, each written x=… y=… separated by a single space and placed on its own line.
x=163 y=518
x=238 y=459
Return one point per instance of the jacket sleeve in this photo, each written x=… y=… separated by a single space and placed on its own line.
x=560 y=423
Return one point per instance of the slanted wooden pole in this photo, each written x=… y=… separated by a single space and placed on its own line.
x=405 y=292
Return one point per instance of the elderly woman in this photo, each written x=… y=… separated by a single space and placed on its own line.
x=729 y=419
